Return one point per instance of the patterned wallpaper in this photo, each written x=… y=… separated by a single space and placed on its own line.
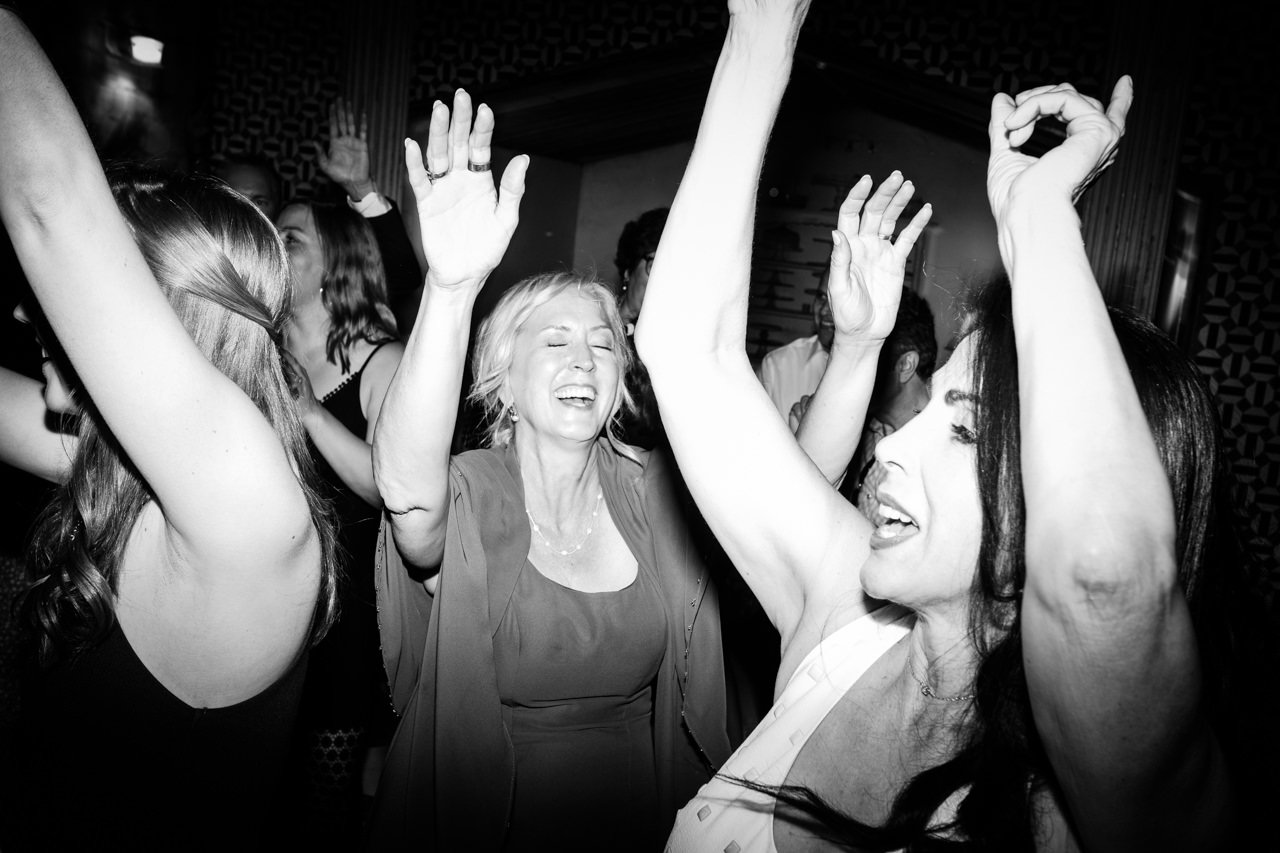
x=282 y=69
x=280 y=66
x=1231 y=156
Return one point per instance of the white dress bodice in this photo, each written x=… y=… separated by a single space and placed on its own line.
x=724 y=816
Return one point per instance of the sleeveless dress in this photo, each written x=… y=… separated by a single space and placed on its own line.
x=346 y=687
x=725 y=816
x=575 y=676
x=111 y=760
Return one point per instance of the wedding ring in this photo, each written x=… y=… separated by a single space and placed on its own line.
x=435 y=176
x=478 y=167
x=885 y=236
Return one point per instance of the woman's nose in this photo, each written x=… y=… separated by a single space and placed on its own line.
x=891 y=448
x=583 y=358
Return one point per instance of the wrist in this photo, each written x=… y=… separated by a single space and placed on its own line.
x=855 y=347
x=357 y=190
x=465 y=288
x=308 y=411
x=768 y=31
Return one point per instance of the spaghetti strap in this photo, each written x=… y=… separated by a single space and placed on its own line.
x=346 y=380
x=372 y=354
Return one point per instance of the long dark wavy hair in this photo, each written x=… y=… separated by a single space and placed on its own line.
x=223 y=268
x=354 y=281
x=1000 y=758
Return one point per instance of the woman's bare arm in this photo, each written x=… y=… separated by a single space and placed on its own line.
x=466 y=226
x=216 y=466
x=1111 y=658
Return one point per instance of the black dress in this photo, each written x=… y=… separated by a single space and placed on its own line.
x=346 y=705
x=346 y=686
x=109 y=759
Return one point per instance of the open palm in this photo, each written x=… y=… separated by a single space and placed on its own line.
x=347 y=160
x=867 y=265
x=466 y=221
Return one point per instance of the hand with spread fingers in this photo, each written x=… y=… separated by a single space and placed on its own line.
x=347 y=160
x=867 y=264
x=1093 y=136
x=466 y=220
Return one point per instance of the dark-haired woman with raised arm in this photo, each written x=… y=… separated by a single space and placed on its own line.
x=1034 y=681
x=185 y=564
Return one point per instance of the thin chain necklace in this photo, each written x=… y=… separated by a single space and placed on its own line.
x=926 y=690
x=591 y=525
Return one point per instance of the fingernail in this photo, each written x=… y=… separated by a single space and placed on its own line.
x=835 y=238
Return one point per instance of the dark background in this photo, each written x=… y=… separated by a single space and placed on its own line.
x=251 y=75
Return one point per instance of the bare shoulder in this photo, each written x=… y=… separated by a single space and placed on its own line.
x=215 y=625
x=380 y=362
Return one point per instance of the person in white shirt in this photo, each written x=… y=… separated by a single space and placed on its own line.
x=792 y=371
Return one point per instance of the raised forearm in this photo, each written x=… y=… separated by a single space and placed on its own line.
x=1087 y=452
x=697 y=295
x=832 y=425
x=415 y=427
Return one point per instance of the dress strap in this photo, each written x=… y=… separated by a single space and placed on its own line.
x=372 y=354
x=346 y=380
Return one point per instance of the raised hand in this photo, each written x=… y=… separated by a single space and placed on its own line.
x=1093 y=135
x=347 y=160
x=867 y=264
x=466 y=221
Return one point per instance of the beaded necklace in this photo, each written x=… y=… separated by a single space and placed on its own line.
x=564 y=552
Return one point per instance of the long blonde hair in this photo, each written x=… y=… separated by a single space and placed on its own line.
x=223 y=268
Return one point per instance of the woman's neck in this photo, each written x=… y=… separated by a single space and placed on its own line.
x=941 y=661
x=560 y=480
x=308 y=330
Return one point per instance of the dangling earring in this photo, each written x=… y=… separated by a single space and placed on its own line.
x=512 y=413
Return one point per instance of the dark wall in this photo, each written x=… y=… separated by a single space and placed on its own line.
x=1231 y=158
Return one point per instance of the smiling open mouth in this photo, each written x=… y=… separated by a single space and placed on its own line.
x=892 y=527
x=581 y=396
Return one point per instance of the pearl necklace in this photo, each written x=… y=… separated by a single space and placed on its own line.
x=591 y=525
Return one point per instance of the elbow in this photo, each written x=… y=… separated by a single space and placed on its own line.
x=1102 y=571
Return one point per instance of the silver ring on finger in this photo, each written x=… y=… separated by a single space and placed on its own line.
x=435 y=176
x=478 y=167
x=885 y=236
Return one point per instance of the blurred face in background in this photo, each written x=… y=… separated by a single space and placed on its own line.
x=252 y=183
x=59 y=397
